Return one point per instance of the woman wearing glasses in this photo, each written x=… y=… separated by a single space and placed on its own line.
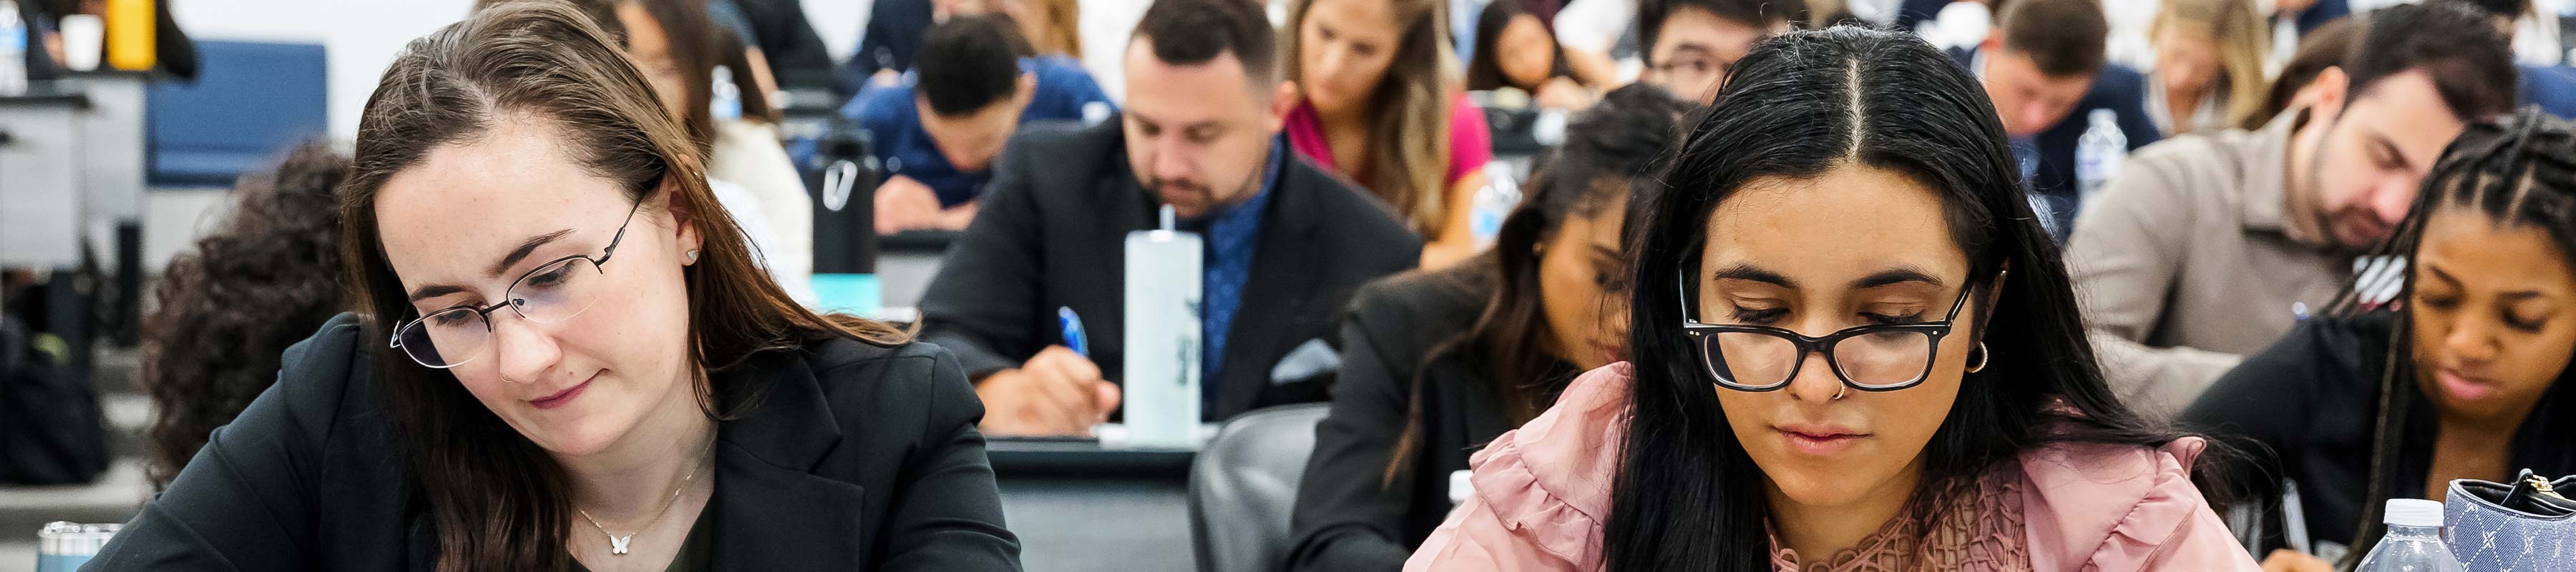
x=569 y=360
x=1855 y=349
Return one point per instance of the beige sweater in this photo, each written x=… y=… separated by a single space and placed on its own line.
x=2184 y=265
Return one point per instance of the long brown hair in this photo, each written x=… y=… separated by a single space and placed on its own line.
x=1609 y=151
x=2242 y=40
x=497 y=501
x=1408 y=159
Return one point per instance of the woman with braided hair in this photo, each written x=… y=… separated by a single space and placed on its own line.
x=2463 y=374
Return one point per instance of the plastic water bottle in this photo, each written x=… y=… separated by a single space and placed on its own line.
x=2098 y=154
x=1493 y=202
x=725 y=101
x=2414 y=541
x=13 y=49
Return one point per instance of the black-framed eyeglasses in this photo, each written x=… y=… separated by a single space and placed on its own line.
x=1879 y=357
x=553 y=292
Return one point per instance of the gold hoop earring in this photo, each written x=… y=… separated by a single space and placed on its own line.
x=1982 y=355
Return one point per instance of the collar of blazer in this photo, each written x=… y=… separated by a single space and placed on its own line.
x=772 y=511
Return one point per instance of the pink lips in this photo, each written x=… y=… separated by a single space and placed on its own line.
x=560 y=398
x=1820 y=440
x=2462 y=387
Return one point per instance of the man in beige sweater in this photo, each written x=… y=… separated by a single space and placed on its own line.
x=2206 y=246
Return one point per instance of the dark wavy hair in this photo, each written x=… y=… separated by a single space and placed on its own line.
x=265 y=280
x=1687 y=496
x=2517 y=171
x=1608 y=153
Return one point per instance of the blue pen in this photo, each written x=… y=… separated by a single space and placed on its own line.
x=1071 y=324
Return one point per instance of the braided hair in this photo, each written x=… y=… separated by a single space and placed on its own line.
x=2517 y=171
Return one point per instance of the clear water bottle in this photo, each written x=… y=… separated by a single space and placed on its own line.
x=725 y=100
x=2414 y=541
x=1493 y=202
x=2098 y=153
x=13 y=50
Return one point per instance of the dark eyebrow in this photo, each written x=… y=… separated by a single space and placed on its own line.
x=2382 y=141
x=1894 y=276
x=521 y=253
x=516 y=254
x=1749 y=273
x=1694 y=48
x=2445 y=276
x=1605 y=252
x=433 y=291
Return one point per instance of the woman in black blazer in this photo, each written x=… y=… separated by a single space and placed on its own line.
x=568 y=359
x=2465 y=374
x=1437 y=363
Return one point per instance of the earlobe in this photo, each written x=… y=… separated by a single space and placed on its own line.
x=1281 y=103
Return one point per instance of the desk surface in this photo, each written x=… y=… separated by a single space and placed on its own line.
x=40 y=96
x=1079 y=507
x=1076 y=524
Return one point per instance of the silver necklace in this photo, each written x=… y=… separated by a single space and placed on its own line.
x=617 y=545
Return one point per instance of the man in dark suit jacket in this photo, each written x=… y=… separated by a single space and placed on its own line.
x=2043 y=67
x=1286 y=243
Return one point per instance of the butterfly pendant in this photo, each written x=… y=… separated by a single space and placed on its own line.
x=617 y=544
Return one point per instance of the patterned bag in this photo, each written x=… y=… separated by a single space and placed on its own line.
x=2525 y=526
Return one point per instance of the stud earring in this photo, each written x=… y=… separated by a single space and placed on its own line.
x=693 y=255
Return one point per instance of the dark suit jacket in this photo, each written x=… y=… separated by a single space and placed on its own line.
x=2116 y=88
x=1051 y=232
x=860 y=458
x=893 y=36
x=1348 y=518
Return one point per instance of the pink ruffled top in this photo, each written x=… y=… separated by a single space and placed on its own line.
x=1542 y=493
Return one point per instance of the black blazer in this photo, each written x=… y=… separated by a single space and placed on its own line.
x=860 y=458
x=2116 y=88
x=1051 y=232
x=2308 y=409
x=1348 y=517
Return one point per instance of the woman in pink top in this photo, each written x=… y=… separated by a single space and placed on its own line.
x=1373 y=103
x=1855 y=349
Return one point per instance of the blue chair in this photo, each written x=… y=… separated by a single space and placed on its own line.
x=251 y=100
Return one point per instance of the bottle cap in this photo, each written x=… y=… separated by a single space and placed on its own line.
x=2413 y=512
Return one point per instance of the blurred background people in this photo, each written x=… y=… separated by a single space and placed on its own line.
x=1374 y=99
x=1691 y=45
x=937 y=131
x=2552 y=87
x=1438 y=362
x=2043 y=66
x=2208 y=73
x=2210 y=247
x=2325 y=48
x=1200 y=135
x=2463 y=376
x=1514 y=50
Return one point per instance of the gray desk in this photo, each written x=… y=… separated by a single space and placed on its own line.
x=1080 y=508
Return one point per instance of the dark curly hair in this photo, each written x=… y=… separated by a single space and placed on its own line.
x=268 y=278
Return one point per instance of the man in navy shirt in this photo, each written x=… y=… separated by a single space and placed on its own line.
x=935 y=133
x=2043 y=66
